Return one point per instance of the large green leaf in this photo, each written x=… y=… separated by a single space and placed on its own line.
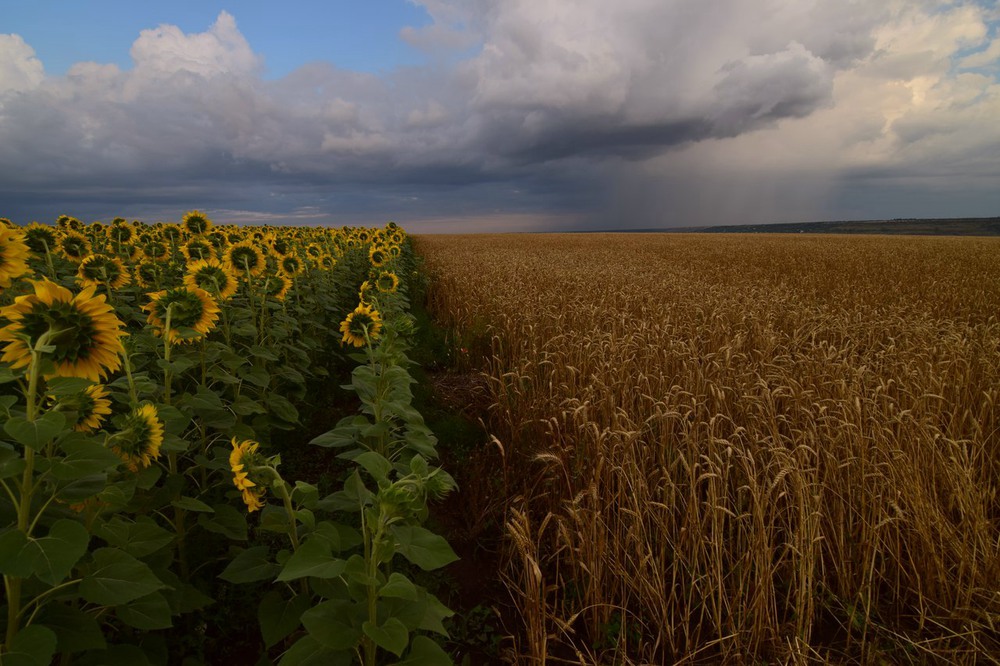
x=307 y=651
x=333 y=623
x=117 y=578
x=313 y=558
x=149 y=612
x=38 y=433
x=422 y=547
x=54 y=556
x=192 y=504
x=13 y=561
x=279 y=617
x=75 y=629
x=400 y=587
x=34 y=645
x=226 y=520
x=425 y=652
x=391 y=635
x=139 y=539
x=250 y=565
x=83 y=458
x=282 y=408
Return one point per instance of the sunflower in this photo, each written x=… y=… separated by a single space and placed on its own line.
x=197 y=248
x=67 y=223
x=40 y=238
x=277 y=285
x=155 y=249
x=91 y=406
x=217 y=239
x=192 y=309
x=314 y=251
x=172 y=233
x=244 y=457
x=245 y=258
x=147 y=273
x=291 y=265
x=139 y=441
x=327 y=262
x=126 y=251
x=86 y=341
x=121 y=231
x=281 y=246
x=101 y=269
x=387 y=282
x=377 y=255
x=213 y=276
x=73 y=245
x=394 y=251
x=363 y=319
x=13 y=256
x=196 y=223
x=365 y=292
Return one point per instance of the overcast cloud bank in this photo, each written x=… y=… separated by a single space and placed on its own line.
x=630 y=114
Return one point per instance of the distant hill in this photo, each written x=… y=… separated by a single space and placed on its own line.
x=966 y=226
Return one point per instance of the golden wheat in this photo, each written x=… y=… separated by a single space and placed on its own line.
x=740 y=448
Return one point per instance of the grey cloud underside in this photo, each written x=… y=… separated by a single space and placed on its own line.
x=525 y=119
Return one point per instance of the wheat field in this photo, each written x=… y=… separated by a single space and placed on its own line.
x=735 y=448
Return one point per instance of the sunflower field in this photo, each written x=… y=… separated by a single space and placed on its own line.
x=152 y=378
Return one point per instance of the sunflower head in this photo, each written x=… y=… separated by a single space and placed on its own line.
x=314 y=251
x=213 y=276
x=155 y=249
x=102 y=269
x=121 y=231
x=217 y=239
x=197 y=247
x=139 y=441
x=327 y=261
x=73 y=245
x=85 y=334
x=65 y=222
x=277 y=285
x=378 y=256
x=172 y=233
x=245 y=258
x=281 y=246
x=91 y=405
x=290 y=265
x=244 y=461
x=387 y=282
x=193 y=313
x=364 y=319
x=40 y=238
x=13 y=255
x=196 y=223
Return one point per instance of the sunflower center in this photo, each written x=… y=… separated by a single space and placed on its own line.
x=186 y=310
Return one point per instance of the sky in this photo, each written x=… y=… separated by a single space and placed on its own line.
x=500 y=115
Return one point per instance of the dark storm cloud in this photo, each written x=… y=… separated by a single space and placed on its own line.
x=555 y=98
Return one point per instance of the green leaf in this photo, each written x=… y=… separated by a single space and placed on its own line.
x=333 y=624
x=250 y=565
x=12 y=561
x=117 y=578
x=307 y=651
x=422 y=547
x=75 y=630
x=61 y=387
x=425 y=652
x=11 y=462
x=346 y=433
x=227 y=520
x=313 y=558
x=6 y=375
x=399 y=586
x=84 y=457
x=282 y=408
x=149 y=612
x=375 y=464
x=279 y=617
x=244 y=406
x=305 y=494
x=55 y=555
x=391 y=635
x=139 y=539
x=341 y=537
x=33 y=645
x=37 y=434
x=192 y=504
x=256 y=375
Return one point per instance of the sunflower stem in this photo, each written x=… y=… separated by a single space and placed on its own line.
x=133 y=392
x=166 y=355
x=13 y=583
